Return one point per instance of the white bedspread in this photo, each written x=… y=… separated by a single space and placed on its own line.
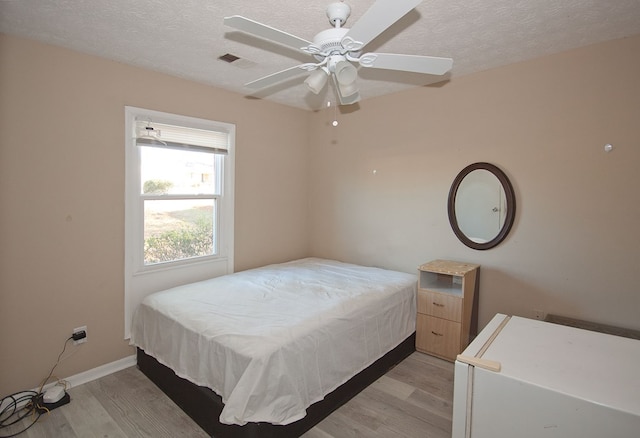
x=274 y=340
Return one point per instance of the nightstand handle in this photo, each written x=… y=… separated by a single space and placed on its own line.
x=438 y=304
x=437 y=334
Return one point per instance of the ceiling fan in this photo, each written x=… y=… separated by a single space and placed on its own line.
x=338 y=49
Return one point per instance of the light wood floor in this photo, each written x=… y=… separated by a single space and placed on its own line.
x=412 y=400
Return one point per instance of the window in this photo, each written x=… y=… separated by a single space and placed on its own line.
x=180 y=187
x=179 y=202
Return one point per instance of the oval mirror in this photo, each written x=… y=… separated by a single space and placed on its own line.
x=481 y=206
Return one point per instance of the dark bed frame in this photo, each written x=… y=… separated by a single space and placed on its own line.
x=204 y=406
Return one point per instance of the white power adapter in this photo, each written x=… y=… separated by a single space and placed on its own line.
x=53 y=394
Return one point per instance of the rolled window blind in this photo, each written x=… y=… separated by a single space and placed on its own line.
x=181 y=137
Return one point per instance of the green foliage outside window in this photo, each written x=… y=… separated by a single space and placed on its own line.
x=156 y=186
x=181 y=243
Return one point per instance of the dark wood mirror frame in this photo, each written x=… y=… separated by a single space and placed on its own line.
x=510 y=199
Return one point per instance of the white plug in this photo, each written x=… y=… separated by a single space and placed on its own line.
x=53 y=394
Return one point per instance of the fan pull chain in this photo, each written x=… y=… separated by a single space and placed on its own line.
x=335 y=114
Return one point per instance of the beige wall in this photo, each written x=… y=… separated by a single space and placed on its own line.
x=573 y=249
x=575 y=246
x=62 y=197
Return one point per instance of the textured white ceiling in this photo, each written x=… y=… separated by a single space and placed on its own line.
x=185 y=37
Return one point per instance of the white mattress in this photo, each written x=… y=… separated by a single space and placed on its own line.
x=274 y=340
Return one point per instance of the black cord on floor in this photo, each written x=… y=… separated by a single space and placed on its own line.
x=12 y=413
x=20 y=405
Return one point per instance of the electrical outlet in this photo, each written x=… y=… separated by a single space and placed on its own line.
x=77 y=332
x=538 y=314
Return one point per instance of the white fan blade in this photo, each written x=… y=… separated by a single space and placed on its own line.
x=381 y=15
x=280 y=76
x=267 y=32
x=419 y=64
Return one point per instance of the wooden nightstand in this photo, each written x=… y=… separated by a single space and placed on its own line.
x=446 y=309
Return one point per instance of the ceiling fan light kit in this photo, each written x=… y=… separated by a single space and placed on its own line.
x=346 y=73
x=317 y=79
x=347 y=90
x=338 y=49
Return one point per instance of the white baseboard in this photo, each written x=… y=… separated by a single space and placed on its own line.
x=98 y=372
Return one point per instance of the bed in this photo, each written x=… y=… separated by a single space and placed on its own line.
x=273 y=350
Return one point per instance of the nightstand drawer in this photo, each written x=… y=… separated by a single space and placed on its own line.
x=438 y=336
x=440 y=305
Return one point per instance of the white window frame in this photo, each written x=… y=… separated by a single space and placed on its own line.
x=140 y=279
